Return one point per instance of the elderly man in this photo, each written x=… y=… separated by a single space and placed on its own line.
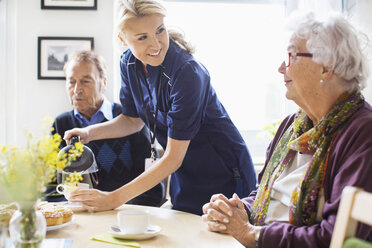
x=121 y=159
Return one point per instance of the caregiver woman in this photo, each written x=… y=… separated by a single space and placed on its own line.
x=165 y=88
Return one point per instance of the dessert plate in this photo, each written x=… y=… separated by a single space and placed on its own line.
x=51 y=228
x=73 y=207
x=151 y=232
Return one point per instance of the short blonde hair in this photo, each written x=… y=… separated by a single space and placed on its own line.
x=128 y=9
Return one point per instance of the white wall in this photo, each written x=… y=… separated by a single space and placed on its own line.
x=29 y=100
x=2 y=71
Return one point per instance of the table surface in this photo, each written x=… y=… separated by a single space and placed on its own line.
x=178 y=229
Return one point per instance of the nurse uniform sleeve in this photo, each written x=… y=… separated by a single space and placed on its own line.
x=189 y=99
x=126 y=99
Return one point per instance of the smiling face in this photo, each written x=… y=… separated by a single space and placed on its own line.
x=302 y=76
x=147 y=38
x=85 y=87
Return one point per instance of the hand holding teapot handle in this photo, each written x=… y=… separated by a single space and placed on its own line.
x=82 y=132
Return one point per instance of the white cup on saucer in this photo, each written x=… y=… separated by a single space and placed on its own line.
x=67 y=189
x=133 y=221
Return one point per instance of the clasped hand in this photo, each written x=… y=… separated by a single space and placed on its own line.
x=229 y=216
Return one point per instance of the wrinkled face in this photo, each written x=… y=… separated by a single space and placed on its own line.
x=147 y=38
x=84 y=87
x=302 y=76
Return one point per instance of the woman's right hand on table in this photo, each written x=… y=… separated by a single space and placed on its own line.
x=95 y=200
x=82 y=132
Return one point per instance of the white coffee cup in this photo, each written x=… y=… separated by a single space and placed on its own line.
x=67 y=189
x=133 y=221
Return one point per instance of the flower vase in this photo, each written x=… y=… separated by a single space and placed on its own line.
x=27 y=226
x=3 y=234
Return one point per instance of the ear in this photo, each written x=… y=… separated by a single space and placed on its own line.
x=122 y=40
x=326 y=74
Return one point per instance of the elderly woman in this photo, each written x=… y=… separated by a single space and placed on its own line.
x=315 y=153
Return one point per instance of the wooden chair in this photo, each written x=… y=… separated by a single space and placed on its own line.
x=355 y=207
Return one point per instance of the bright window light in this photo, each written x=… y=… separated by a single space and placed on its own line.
x=242 y=45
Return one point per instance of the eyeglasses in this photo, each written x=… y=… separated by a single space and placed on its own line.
x=292 y=56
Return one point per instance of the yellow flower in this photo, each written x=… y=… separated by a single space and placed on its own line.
x=73 y=179
x=24 y=172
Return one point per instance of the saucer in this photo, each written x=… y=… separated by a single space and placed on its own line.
x=151 y=231
x=73 y=207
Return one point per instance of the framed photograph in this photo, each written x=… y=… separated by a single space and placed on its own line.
x=53 y=53
x=69 y=4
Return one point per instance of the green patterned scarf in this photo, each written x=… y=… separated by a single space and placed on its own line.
x=302 y=137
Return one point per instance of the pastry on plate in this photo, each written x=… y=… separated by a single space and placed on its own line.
x=56 y=215
x=52 y=216
x=6 y=212
x=66 y=213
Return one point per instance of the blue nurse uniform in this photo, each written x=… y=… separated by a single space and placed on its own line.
x=217 y=159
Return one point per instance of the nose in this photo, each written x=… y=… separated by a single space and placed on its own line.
x=282 y=68
x=155 y=42
x=78 y=88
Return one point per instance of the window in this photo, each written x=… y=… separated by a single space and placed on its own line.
x=2 y=71
x=242 y=44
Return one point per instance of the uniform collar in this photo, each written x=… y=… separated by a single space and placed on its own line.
x=172 y=52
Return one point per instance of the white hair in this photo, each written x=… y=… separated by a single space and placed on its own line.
x=334 y=44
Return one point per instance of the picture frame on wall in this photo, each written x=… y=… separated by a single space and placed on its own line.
x=53 y=53
x=69 y=4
